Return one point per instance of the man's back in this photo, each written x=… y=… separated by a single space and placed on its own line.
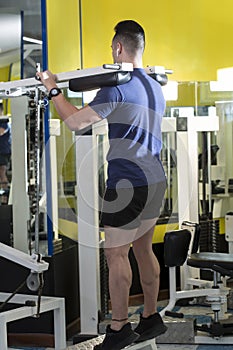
x=134 y=111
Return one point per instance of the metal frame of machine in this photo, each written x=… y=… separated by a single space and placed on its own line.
x=32 y=305
x=192 y=286
x=87 y=168
x=21 y=213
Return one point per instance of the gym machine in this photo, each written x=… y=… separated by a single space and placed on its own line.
x=30 y=305
x=186 y=239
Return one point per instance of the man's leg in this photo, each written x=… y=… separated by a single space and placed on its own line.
x=119 y=334
x=120 y=275
x=149 y=269
x=151 y=324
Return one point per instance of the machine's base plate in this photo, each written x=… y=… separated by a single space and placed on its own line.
x=179 y=331
x=89 y=345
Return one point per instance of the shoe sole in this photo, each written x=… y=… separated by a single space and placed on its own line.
x=130 y=340
x=150 y=334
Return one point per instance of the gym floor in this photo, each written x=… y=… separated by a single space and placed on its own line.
x=178 y=330
x=159 y=347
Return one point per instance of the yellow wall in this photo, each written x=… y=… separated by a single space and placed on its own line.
x=63 y=35
x=192 y=37
x=4 y=73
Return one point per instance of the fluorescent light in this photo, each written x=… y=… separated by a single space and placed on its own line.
x=221 y=86
x=170 y=91
x=224 y=80
x=31 y=40
x=225 y=74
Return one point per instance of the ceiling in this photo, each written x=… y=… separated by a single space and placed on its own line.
x=31 y=11
x=10 y=23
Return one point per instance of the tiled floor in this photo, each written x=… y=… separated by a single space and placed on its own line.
x=193 y=347
x=201 y=313
x=159 y=347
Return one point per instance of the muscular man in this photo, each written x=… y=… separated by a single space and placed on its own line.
x=135 y=185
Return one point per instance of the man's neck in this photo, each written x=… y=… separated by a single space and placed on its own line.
x=137 y=63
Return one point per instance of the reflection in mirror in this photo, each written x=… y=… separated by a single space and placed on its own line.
x=5 y=155
x=214 y=146
x=20 y=37
x=10 y=43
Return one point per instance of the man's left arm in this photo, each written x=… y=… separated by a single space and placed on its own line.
x=74 y=117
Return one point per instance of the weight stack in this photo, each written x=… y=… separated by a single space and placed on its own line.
x=209 y=242
x=209 y=236
x=104 y=291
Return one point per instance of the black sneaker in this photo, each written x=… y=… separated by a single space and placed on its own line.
x=150 y=327
x=117 y=340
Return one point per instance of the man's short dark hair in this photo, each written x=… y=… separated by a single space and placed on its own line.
x=131 y=34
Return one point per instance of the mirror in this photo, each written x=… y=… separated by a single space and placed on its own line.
x=20 y=37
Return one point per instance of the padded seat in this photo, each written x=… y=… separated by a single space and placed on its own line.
x=219 y=262
x=176 y=247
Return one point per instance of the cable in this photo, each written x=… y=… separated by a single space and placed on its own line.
x=12 y=295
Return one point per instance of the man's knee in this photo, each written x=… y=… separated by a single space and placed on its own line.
x=116 y=254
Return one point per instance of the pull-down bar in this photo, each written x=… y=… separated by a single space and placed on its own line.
x=16 y=88
x=19 y=87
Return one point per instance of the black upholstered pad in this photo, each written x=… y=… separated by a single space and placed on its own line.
x=207 y=260
x=176 y=245
x=97 y=81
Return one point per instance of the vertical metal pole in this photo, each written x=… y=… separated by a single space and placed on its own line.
x=46 y=135
x=59 y=326
x=37 y=168
x=19 y=108
x=81 y=34
x=44 y=35
x=187 y=170
x=172 y=291
x=3 y=334
x=209 y=170
x=88 y=232
x=193 y=170
x=183 y=163
x=54 y=132
x=169 y=172
x=22 y=47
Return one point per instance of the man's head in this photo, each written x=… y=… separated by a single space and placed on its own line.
x=129 y=40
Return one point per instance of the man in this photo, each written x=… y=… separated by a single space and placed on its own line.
x=135 y=185
x=5 y=153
